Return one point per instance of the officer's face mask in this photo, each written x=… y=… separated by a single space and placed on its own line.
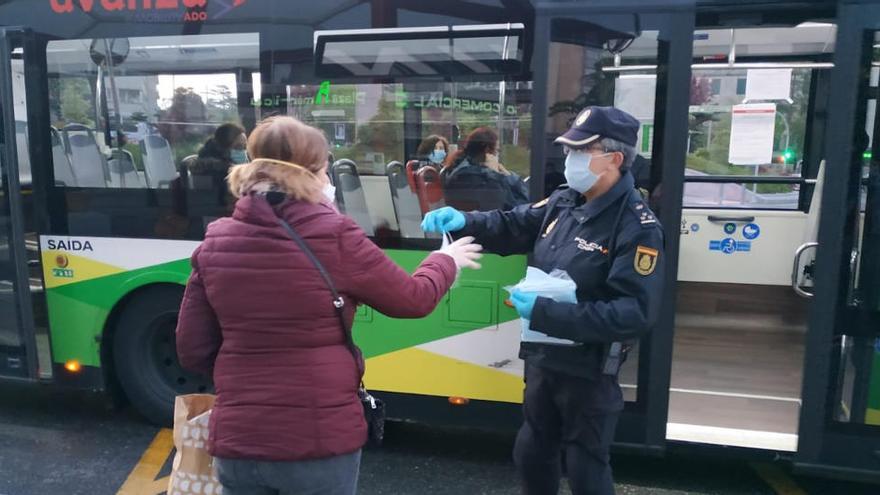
x=577 y=170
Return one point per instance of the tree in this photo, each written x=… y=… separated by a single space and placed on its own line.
x=222 y=105
x=187 y=108
x=701 y=90
x=74 y=101
x=383 y=132
x=139 y=117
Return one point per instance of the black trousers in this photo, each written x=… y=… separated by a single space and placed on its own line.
x=561 y=417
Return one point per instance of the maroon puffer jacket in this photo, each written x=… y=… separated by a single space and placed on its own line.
x=258 y=315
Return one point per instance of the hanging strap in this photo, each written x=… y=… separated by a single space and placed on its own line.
x=338 y=301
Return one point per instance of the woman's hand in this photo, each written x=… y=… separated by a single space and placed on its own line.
x=464 y=252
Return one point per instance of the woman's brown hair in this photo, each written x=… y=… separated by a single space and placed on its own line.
x=478 y=143
x=286 y=155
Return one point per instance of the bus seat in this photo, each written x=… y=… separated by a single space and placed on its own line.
x=123 y=173
x=24 y=154
x=429 y=189
x=194 y=181
x=411 y=167
x=88 y=162
x=406 y=203
x=64 y=175
x=158 y=161
x=350 y=197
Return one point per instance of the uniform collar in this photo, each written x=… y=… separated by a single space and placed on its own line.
x=593 y=208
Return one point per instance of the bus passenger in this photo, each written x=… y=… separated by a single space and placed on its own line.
x=599 y=230
x=474 y=179
x=433 y=149
x=223 y=150
x=258 y=316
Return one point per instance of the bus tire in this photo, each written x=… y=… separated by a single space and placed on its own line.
x=145 y=356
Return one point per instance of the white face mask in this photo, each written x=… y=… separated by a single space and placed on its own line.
x=330 y=192
x=578 y=173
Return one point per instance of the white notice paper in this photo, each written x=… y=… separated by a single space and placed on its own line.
x=635 y=94
x=768 y=84
x=751 y=134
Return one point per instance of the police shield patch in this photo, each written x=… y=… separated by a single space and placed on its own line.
x=645 y=260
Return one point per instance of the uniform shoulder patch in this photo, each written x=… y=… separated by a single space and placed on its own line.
x=541 y=203
x=645 y=260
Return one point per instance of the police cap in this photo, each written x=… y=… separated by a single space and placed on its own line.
x=594 y=123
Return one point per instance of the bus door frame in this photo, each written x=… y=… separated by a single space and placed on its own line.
x=642 y=425
x=827 y=447
x=11 y=38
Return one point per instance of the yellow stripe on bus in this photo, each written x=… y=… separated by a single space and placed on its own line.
x=62 y=268
x=418 y=371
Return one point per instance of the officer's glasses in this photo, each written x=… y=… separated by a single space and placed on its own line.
x=602 y=151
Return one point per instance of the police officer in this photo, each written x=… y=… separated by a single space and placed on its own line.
x=599 y=230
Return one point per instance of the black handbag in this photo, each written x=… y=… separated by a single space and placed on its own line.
x=374 y=409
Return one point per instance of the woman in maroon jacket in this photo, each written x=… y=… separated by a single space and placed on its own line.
x=258 y=317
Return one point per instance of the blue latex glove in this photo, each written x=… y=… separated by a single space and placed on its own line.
x=524 y=302
x=446 y=219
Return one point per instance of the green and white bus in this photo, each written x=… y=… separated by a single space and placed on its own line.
x=756 y=150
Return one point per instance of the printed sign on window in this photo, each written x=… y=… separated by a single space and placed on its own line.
x=751 y=134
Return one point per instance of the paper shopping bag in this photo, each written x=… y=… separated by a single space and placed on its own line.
x=193 y=469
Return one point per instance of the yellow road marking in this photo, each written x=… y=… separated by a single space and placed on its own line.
x=142 y=479
x=781 y=483
x=159 y=486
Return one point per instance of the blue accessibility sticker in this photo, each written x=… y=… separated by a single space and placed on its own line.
x=730 y=246
x=751 y=231
x=729 y=228
x=695 y=227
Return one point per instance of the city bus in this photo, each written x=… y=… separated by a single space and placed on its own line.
x=756 y=151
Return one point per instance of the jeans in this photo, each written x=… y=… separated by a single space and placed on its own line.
x=331 y=476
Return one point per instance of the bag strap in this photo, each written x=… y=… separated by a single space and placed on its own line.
x=338 y=301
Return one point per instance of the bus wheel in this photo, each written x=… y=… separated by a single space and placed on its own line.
x=145 y=355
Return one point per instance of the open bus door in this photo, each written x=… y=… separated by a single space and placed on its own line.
x=840 y=418
x=18 y=349
x=586 y=46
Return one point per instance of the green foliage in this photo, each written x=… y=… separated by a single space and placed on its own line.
x=75 y=103
x=515 y=159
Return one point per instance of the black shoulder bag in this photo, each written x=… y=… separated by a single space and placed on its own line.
x=374 y=409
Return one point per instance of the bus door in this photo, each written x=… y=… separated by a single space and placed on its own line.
x=18 y=353
x=638 y=61
x=840 y=418
x=757 y=106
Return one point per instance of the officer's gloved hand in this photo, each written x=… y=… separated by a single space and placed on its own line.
x=446 y=219
x=524 y=302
